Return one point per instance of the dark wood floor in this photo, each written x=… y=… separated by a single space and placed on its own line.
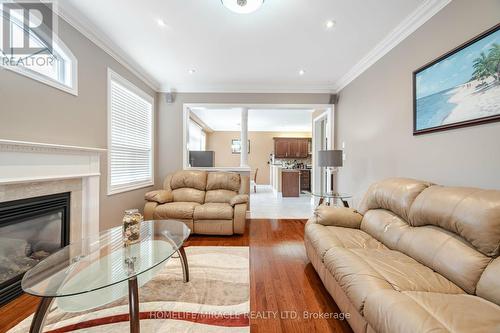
x=283 y=282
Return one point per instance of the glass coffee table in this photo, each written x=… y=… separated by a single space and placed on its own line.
x=102 y=263
x=330 y=196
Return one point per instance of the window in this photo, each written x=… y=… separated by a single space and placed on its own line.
x=197 y=137
x=130 y=136
x=57 y=69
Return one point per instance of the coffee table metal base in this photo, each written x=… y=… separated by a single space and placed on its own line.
x=133 y=301
x=322 y=199
x=41 y=314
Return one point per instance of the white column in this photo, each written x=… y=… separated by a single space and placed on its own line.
x=244 y=137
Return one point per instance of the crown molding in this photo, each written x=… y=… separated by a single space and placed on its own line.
x=68 y=13
x=248 y=89
x=410 y=24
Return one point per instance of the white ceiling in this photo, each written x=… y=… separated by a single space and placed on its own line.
x=263 y=51
x=271 y=120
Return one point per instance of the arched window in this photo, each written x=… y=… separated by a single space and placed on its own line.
x=57 y=68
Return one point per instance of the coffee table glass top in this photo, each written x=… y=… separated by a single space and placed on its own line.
x=102 y=261
x=332 y=195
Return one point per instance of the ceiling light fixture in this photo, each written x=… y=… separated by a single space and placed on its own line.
x=242 y=6
x=302 y=72
x=330 y=24
x=192 y=71
x=161 y=23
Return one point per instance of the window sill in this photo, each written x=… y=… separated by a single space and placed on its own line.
x=128 y=188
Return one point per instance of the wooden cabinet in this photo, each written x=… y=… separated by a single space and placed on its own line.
x=281 y=148
x=291 y=147
x=290 y=183
x=305 y=180
x=294 y=148
x=303 y=147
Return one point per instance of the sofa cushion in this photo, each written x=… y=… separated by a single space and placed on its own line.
x=223 y=181
x=441 y=250
x=338 y=216
x=394 y=194
x=488 y=286
x=472 y=213
x=221 y=196
x=361 y=272
x=419 y=312
x=189 y=178
x=176 y=210
x=323 y=238
x=188 y=195
x=213 y=211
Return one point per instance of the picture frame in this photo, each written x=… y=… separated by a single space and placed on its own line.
x=459 y=88
x=236 y=146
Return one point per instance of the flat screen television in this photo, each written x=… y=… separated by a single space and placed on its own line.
x=199 y=159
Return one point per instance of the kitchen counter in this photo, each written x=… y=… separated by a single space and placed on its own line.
x=276 y=177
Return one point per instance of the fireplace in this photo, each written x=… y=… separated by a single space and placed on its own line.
x=30 y=230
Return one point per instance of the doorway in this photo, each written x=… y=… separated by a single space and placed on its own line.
x=322 y=125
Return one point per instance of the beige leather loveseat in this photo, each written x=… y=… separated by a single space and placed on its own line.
x=416 y=258
x=212 y=203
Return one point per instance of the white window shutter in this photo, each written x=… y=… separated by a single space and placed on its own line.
x=131 y=138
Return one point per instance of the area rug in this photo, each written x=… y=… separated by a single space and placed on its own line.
x=215 y=300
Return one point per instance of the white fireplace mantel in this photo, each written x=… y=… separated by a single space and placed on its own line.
x=31 y=162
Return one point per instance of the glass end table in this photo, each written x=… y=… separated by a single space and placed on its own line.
x=331 y=196
x=103 y=261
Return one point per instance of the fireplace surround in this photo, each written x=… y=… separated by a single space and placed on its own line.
x=31 y=170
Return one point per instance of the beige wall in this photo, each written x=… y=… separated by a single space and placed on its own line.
x=374 y=115
x=170 y=119
x=32 y=111
x=261 y=145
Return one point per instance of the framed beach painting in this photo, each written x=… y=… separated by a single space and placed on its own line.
x=461 y=88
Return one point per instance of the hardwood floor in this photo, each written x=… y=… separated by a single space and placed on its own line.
x=282 y=281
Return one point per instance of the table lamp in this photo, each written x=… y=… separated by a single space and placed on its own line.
x=330 y=159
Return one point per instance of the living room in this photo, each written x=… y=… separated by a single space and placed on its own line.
x=105 y=226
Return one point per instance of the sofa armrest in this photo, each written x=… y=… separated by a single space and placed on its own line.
x=149 y=210
x=338 y=216
x=240 y=217
x=239 y=199
x=159 y=196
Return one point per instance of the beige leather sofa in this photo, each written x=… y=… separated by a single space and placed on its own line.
x=211 y=203
x=417 y=257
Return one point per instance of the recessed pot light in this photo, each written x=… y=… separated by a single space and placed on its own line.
x=242 y=6
x=161 y=23
x=192 y=71
x=302 y=72
x=330 y=24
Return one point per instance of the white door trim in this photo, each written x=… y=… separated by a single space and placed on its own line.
x=328 y=115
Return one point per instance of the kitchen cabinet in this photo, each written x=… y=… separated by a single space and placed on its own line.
x=305 y=180
x=281 y=148
x=303 y=147
x=294 y=148
x=291 y=147
x=290 y=183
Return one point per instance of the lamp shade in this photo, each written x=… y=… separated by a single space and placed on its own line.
x=330 y=158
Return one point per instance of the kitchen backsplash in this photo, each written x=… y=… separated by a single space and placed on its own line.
x=291 y=163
